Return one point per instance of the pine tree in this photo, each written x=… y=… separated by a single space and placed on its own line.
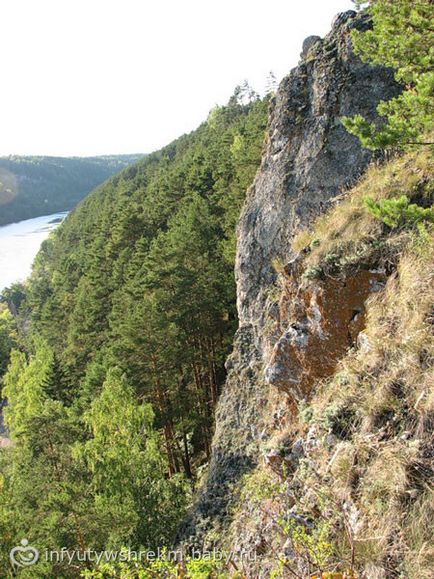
x=131 y=305
x=402 y=37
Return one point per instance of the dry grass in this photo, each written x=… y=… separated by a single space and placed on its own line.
x=389 y=389
x=374 y=482
x=349 y=230
x=419 y=529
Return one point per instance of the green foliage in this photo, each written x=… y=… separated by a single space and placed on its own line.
x=423 y=240
x=123 y=455
x=305 y=412
x=402 y=38
x=43 y=492
x=33 y=186
x=399 y=212
x=7 y=338
x=204 y=568
x=312 y=272
x=14 y=297
x=92 y=481
x=311 y=544
x=140 y=277
x=304 y=538
x=256 y=487
x=129 y=315
x=24 y=388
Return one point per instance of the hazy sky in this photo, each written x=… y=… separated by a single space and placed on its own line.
x=86 y=77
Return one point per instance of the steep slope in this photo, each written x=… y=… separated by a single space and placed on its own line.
x=127 y=320
x=321 y=463
x=345 y=482
x=34 y=186
x=309 y=159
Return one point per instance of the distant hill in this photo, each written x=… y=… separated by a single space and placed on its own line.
x=34 y=186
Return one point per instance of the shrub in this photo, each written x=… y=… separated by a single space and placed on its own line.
x=398 y=212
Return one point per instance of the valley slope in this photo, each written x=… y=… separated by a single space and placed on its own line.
x=286 y=412
x=34 y=186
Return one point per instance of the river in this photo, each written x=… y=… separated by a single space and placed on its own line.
x=19 y=244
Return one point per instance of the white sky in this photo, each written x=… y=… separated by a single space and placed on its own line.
x=87 y=77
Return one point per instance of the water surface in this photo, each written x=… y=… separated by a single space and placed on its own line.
x=19 y=244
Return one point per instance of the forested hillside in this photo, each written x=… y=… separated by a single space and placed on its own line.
x=132 y=308
x=34 y=186
x=272 y=424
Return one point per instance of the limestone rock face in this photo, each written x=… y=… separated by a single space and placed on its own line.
x=308 y=159
x=309 y=156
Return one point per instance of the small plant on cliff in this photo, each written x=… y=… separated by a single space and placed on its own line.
x=160 y=568
x=349 y=234
x=402 y=38
x=398 y=212
x=311 y=545
x=312 y=272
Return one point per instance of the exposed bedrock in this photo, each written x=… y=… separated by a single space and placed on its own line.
x=308 y=159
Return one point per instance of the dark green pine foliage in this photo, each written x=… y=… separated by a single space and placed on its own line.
x=132 y=314
x=33 y=186
x=140 y=276
x=402 y=37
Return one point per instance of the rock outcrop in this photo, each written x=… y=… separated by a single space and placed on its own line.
x=317 y=322
x=309 y=158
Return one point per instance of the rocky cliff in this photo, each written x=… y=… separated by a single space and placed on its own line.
x=308 y=160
